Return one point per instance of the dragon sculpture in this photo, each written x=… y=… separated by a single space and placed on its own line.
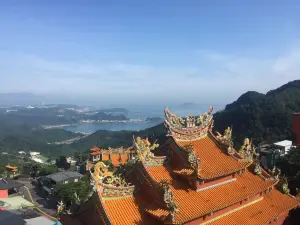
x=247 y=151
x=102 y=175
x=226 y=138
x=144 y=148
x=168 y=198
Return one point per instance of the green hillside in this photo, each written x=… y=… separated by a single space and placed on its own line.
x=262 y=117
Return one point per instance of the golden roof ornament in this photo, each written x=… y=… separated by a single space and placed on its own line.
x=144 y=151
x=168 y=197
x=226 y=138
x=275 y=173
x=284 y=186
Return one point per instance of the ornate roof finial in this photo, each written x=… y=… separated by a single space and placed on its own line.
x=226 y=138
x=247 y=151
x=168 y=197
x=275 y=173
x=284 y=186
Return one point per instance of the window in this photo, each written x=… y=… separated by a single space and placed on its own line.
x=75 y=180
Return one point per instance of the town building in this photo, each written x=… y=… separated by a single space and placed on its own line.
x=296 y=128
x=8 y=187
x=283 y=147
x=24 y=217
x=199 y=178
x=46 y=183
x=116 y=156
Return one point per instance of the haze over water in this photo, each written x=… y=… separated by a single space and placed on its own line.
x=142 y=113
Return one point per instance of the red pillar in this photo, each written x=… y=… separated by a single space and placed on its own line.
x=296 y=127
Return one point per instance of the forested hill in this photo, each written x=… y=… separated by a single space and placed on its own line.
x=262 y=117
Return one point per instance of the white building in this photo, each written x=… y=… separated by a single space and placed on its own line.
x=34 y=153
x=70 y=160
x=283 y=146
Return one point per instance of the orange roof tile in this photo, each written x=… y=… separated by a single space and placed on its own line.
x=194 y=204
x=95 y=148
x=95 y=153
x=105 y=157
x=213 y=161
x=272 y=205
x=126 y=210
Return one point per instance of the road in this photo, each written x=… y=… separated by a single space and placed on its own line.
x=43 y=204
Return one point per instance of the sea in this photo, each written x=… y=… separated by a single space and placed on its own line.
x=143 y=113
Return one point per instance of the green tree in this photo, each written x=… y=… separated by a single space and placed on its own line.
x=46 y=170
x=74 y=192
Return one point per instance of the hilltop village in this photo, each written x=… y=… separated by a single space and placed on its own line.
x=195 y=177
x=192 y=175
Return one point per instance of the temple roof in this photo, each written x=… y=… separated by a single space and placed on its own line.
x=213 y=161
x=269 y=207
x=127 y=210
x=162 y=197
x=115 y=159
x=193 y=204
x=95 y=149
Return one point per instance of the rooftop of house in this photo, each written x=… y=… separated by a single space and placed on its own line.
x=15 y=203
x=39 y=220
x=7 y=217
x=60 y=176
x=285 y=143
x=6 y=184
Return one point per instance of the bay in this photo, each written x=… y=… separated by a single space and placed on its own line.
x=112 y=126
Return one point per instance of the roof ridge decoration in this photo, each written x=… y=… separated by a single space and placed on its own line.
x=193 y=159
x=283 y=185
x=108 y=184
x=226 y=139
x=247 y=151
x=168 y=198
x=189 y=128
x=118 y=150
x=144 y=154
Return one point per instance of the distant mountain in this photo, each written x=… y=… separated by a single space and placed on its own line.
x=262 y=117
x=21 y=98
x=114 y=110
x=106 y=116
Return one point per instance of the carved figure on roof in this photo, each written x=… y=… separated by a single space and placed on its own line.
x=284 y=186
x=194 y=161
x=174 y=120
x=275 y=172
x=247 y=151
x=144 y=148
x=60 y=206
x=257 y=168
x=230 y=150
x=168 y=197
x=211 y=108
x=200 y=120
x=190 y=121
x=226 y=138
x=101 y=171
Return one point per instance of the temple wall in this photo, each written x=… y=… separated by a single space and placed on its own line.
x=223 y=211
x=296 y=127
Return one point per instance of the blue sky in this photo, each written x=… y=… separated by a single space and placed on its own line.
x=148 y=51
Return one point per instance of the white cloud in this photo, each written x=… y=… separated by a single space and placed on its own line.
x=218 y=77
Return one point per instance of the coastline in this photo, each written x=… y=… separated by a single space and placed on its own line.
x=93 y=122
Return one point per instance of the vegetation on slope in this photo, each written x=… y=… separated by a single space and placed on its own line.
x=264 y=118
